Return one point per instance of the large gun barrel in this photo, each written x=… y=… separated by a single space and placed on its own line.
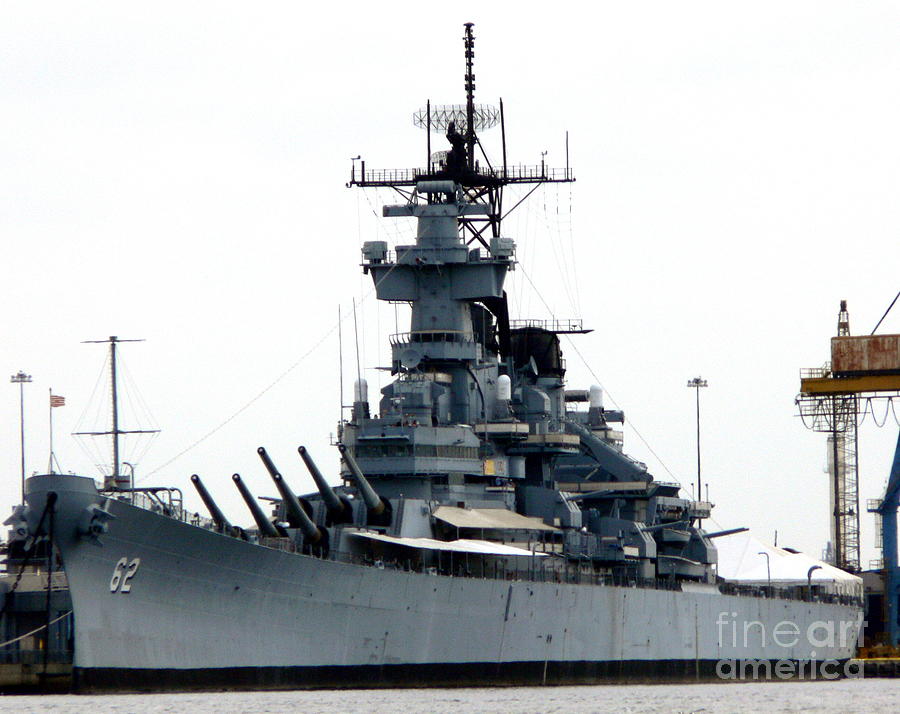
x=264 y=524
x=372 y=500
x=730 y=531
x=218 y=517
x=334 y=504
x=296 y=515
x=267 y=461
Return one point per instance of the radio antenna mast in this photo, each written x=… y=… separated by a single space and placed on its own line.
x=116 y=480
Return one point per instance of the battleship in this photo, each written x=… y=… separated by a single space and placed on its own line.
x=486 y=525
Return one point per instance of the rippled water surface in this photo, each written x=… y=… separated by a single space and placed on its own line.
x=852 y=695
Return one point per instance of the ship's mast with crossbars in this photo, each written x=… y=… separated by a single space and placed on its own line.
x=466 y=162
x=115 y=480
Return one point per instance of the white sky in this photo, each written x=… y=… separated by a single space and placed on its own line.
x=175 y=172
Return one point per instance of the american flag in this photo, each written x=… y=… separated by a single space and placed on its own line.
x=57 y=401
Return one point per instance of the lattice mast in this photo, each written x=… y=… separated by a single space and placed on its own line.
x=845 y=468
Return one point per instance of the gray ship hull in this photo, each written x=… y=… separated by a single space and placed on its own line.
x=207 y=610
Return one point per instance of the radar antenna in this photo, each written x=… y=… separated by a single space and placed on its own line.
x=469 y=40
x=482 y=184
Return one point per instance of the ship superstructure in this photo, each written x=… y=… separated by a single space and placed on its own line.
x=488 y=526
x=479 y=416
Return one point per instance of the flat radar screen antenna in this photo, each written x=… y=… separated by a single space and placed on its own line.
x=481 y=184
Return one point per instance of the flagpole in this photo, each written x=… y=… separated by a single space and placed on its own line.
x=55 y=401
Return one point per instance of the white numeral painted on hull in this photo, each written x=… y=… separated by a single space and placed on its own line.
x=122 y=575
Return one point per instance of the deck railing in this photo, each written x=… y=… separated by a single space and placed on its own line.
x=548 y=569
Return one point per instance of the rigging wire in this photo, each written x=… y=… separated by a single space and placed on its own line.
x=524 y=217
x=572 y=252
x=571 y=268
x=138 y=444
x=559 y=255
x=279 y=378
x=248 y=404
x=600 y=384
x=94 y=446
x=885 y=313
x=397 y=231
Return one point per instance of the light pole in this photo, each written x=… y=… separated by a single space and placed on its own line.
x=768 y=569
x=809 y=579
x=21 y=379
x=696 y=383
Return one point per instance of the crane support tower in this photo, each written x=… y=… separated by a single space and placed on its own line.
x=862 y=370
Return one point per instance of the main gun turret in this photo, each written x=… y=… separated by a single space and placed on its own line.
x=339 y=511
x=218 y=517
x=297 y=516
x=265 y=526
x=379 y=510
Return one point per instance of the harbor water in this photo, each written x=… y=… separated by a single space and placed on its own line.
x=838 y=697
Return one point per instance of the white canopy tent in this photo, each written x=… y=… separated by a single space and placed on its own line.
x=741 y=560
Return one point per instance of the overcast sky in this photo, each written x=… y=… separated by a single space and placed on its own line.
x=175 y=172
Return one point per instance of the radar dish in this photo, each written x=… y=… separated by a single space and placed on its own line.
x=410 y=358
x=486 y=116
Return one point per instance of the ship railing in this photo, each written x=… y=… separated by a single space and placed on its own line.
x=553 y=568
x=534 y=569
x=510 y=174
x=388 y=177
x=790 y=592
x=279 y=543
x=149 y=499
x=392 y=257
x=553 y=325
x=428 y=336
x=556 y=569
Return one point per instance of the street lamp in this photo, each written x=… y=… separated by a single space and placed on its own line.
x=768 y=569
x=809 y=579
x=21 y=379
x=696 y=383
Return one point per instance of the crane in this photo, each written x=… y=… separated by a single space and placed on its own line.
x=865 y=368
